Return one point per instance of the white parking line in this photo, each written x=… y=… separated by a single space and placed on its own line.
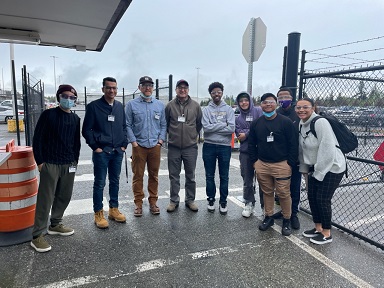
x=84 y=206
x=317 y=255
x=364 y=221
x=159 y=263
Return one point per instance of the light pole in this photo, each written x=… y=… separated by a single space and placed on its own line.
x=54 y=69
x=197 y=83
x=2 y=78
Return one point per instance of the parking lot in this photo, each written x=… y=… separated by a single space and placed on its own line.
x=184 y=249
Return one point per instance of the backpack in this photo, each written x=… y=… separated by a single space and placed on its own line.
x=347 y=140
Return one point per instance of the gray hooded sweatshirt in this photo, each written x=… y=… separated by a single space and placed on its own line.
x=218 y=123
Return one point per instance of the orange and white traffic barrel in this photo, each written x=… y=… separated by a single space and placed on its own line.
x=18 y=192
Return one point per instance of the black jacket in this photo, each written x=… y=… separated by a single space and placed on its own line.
x=99 y=131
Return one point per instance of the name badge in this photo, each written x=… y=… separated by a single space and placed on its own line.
x=157 y=116
x=72 y=169
x=111 y=118
x=270 y=137
x=249 y=118
x=181 y=119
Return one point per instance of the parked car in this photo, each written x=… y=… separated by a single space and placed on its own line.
x=6 y=113
x=373 y=118
x=348 y=117
x=9 y=103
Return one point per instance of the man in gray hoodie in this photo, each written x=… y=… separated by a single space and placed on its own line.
x=218 y=125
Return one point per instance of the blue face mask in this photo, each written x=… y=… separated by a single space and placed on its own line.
x=67 y=103
x=269 y=114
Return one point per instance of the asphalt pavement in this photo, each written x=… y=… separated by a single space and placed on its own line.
x=184 y=249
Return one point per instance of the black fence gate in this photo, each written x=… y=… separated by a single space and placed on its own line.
x=356 y=97
x=34 y=104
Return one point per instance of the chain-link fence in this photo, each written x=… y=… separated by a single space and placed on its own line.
x=162 y=91
x=356 y=97
x=34 y=104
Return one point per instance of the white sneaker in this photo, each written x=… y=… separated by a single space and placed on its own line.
x=223 y=208
x=211 y=206
x=248 y=210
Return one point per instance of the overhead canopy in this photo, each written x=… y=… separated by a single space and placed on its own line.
x=77 y=24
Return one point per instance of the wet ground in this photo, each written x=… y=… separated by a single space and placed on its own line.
x=184 y=249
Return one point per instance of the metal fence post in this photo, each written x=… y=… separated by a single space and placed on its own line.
x=293 y=51
x=301 y=83
x=85 y=96
x=170 y=87
x=157 y=89
x=284 y=66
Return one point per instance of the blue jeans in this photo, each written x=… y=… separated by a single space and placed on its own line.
x=102 y=163
x=222 y=153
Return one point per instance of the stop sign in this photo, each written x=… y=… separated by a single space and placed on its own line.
x=254 y=40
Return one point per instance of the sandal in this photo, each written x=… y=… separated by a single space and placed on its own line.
x=138 y=212
x=154 y=209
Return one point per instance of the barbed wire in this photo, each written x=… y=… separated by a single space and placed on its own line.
x=335 y=56
x=349 y=43
x=344 y=54
x=342 y=65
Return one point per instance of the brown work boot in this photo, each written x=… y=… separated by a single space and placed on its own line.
x=115 y=214
x=154 y=209
x=100 y=221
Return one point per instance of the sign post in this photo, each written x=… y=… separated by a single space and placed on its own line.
x=254 y=42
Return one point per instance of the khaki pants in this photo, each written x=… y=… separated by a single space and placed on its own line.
x=140 y=157
x=275 y=177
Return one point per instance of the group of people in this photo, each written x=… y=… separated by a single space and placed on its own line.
x=274 y=143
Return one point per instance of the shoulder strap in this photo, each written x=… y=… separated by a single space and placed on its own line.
x=312 y=126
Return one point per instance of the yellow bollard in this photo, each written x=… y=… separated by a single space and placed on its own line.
x=12 y=125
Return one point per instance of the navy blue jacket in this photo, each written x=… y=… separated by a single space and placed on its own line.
x=99 y=132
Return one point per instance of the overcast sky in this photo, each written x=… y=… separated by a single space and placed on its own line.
x=158 y=38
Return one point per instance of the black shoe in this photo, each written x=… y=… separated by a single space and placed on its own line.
x=278 y=215
x=267 y=222
x=311 y=233
x=295 y=223
x=321 y=239
x=286 y=230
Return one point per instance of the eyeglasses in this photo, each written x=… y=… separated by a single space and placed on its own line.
x=146 y=85
x=110 y=88
x=182 y=87
x=270 y=102
x=303 y=107
x=216 y=92
x=284 y=97
x=65 y=96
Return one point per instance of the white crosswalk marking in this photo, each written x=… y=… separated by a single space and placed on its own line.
x=84 y=206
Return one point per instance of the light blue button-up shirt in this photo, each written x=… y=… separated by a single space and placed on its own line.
x=146 y=122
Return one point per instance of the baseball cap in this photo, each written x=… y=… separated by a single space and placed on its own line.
x=145 y=79
x=181 y=81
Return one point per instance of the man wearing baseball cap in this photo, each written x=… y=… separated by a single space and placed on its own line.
x=56 y=149
x=183 y=117
x=146 y=128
